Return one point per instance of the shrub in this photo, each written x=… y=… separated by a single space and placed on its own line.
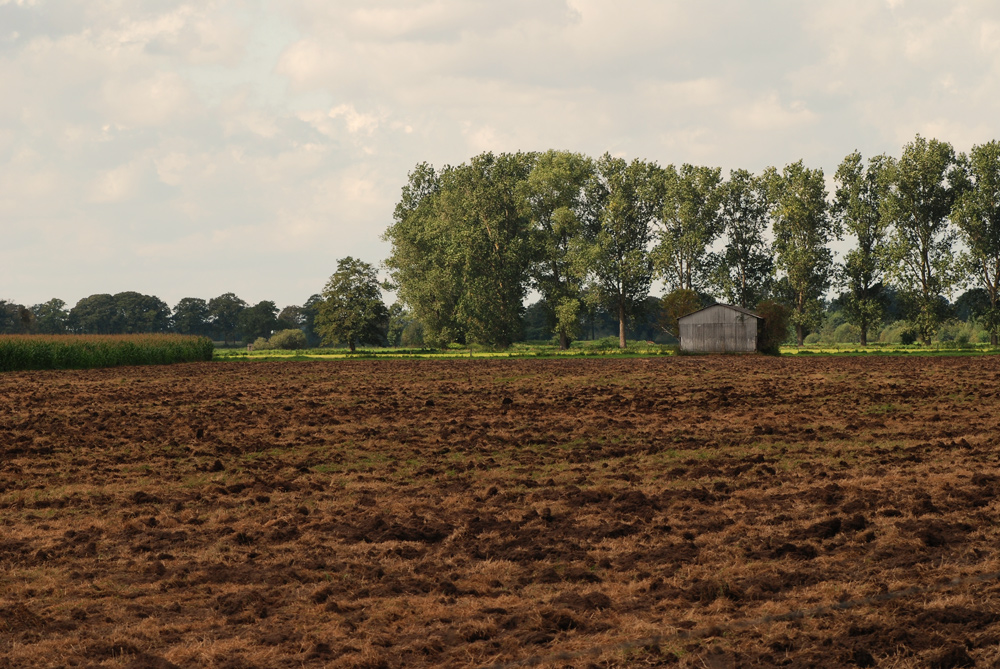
x=847 y=333
x=260 y=344
x=413 y=334
x=605 y=343
x=287 y=340
x=775 y=328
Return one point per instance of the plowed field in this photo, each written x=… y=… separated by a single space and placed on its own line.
x=463 y=513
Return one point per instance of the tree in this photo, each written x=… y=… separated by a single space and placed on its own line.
x=462 y=249
x=191 y=317
x=260 y=320
x=424 y=265
x=94 y=314
x=923 y=186
x=776 y=317
x=802 y=230
x=138 y=313
x=689 y=222
x=494 y=247
x=679 y=302
x=224 y=313
x=976 y=214
x=553 y=197
x=352 y=310
x=859 y=207
x=15 y=318
x=973 y=304
x=399 y=319
x=310 y=311
x=291 y=317
x=743 y=271
x=51 y=317
x=623 y=200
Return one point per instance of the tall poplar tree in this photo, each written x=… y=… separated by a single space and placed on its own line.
x=742 y=273
x=688 y=223
x=976 y=214
x=553 y=197
x=623 y=201
x=924 y=184
x=423 y=265
x=494 y=246
x=859 y=208
x=802 y=230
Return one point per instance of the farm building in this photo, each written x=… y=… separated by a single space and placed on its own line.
x=720 y=328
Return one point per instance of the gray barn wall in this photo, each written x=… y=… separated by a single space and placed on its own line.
x=718 y=329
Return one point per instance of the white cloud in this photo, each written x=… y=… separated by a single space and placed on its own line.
x=211 y=139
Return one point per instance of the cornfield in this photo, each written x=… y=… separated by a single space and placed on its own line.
x=89 y=351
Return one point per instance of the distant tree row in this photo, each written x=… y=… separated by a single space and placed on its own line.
x=226 y=318
x=349 y=311
x=470 y=241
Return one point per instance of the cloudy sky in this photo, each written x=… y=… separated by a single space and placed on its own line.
x=191 y=149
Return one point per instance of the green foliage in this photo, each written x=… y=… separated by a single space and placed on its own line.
x=847 y=333
x=537 y=322
x=743 y=272
x=976 y=214
x=90 y=351
x=412 y=335
x=292 y=317
x=802 y=231
x=15 y=318
x=552 y=195
x=567 y=317
x=191 y=317
x=494 y=248
x=399 y=318
x=224 y=314
x=260 y=320
x=859 y=206
x=310 y=311
x=50 y=317
x=774 y=331
x=623 y=201
x=124 y=313
x=423 y=263
x=287 y=340
x=924 y=184
x=675 y=304
x=689 y=221
x=461 y=249
x=352 y=310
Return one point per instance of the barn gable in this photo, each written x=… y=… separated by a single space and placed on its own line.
x=719 y=328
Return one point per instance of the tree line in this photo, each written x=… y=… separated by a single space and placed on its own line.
x=225 y=318
x=469 y=241
x=348 y=311
x=590 y=236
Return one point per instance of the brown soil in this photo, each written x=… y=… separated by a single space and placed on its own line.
x=456 y=513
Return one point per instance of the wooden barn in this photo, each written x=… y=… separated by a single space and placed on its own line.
x=720 y=328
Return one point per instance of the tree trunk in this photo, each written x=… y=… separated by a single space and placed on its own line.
x=800 y=334
x=350 y=345
x=563 y=341
x=864 y=336
x=993 y=339
x=621 y=325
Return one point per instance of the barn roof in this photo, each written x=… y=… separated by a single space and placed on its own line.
x=727 y=306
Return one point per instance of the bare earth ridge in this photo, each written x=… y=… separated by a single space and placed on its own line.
x=462 y=513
